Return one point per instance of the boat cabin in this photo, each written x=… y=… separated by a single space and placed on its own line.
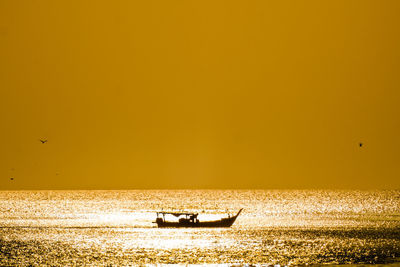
x=184 y=217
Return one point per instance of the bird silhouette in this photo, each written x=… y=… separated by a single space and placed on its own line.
x=12 y=178
x=43 y=141
x=361 y=144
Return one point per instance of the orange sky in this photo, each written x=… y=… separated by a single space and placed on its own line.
x=199 y=94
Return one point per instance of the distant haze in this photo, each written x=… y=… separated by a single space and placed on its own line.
x=199 y=94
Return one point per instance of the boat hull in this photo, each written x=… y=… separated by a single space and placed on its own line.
x=220 y=223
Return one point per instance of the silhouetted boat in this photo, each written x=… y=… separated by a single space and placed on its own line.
x=190 y=220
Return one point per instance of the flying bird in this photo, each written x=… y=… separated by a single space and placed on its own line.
x=12 y=178
x=361 y=144
x=43 y=141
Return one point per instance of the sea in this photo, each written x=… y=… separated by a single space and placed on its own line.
x=276 y=227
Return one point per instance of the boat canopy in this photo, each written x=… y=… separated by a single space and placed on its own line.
x=177 y=214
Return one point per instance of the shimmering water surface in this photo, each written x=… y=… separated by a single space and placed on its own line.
x=276 y=227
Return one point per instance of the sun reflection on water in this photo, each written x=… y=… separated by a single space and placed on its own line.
x=276 y=227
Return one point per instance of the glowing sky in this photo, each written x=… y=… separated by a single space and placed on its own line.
x=199 y=94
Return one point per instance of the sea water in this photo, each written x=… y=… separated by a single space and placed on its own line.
x=276 y=227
